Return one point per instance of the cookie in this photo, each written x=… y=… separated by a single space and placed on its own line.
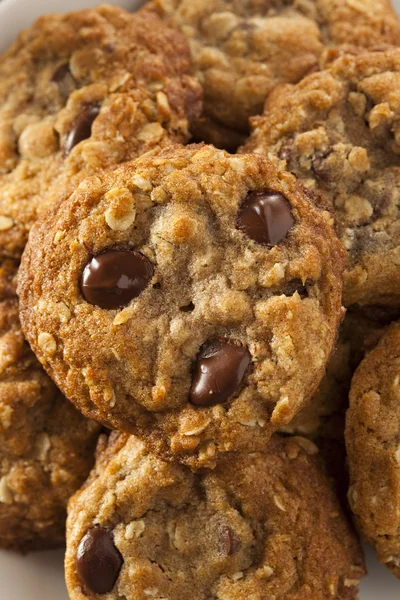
x=359 y=333
x=323 y=419
x=373 y=446
x=338 y=131
x=189 y=280
x=46 y=446
x=261 y=525
x=242 y=49
x=82 y=92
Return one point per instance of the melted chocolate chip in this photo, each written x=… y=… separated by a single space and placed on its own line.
x=112 y=279
x=61 y=73
x=188 y=308
x=218 y=372
x=265 y=217
x=231 y=543
x=82 y=128
x=98 y=560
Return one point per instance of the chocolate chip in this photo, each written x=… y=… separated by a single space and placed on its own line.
x=60 y=73
x=296 y=285
x=98 y=560
x=187 y=308
x=82 y=128
x=218 y=372
x=64 y=80
x=265 y=217
x=320 y=167
x=231 y=543
x=112 y=279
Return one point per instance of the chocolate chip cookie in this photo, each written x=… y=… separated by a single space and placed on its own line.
x=81 y=92
x=338 y=131
x=46 y=446
x=261 y=525
x=242 y=49
x=373 y=446
x=192 y=298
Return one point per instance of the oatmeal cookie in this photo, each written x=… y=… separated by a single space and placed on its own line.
x=261 y=525
x=242 y=49
x=46 y=446
x=323 y=419
x=373 y=446
x=202 y=299
x=78 y=93
x=359 y=333
x=338 y=130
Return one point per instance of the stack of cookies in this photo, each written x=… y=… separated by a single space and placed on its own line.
x=199 y=351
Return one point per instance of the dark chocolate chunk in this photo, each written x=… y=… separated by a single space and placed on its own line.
x=82 y=128
x=230 y=541
x=218 y=372
x=265 y=217
x=98 y=560
x=112 y=279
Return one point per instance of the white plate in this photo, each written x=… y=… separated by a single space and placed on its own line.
x=40 y=576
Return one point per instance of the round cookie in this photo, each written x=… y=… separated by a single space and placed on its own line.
x=202 y=294
x=81 y=92
x=46 y=446
x=261 y=525
x=338 y=131
x=242 y=49
x=373 y=446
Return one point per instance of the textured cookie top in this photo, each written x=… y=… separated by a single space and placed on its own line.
x=243 y=48
x=192 y=297
x=261 y=525
x=373 y=445
x=46 y=446
x=361 y=330
x=78 y=93
x=338 y=131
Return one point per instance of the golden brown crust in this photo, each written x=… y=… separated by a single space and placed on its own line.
x=131 y=66
x=242 y=49
x=260 y=525
x=373 y=446
x=338 y=131
x=46 y=446
x=132 y=368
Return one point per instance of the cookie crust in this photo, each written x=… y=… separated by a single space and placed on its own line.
x=46 y=446
x=218 y=534
x=242 y=49
x=337 y=130
x=81 y=92
x=131 y=368
x=372 y=439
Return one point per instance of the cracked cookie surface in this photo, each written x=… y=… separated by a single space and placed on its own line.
x=373 y=447
x=242 y=49
x=79 y=93
x=338 y=131
x=46 y=446
x=261 y=525
x=184 y=324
